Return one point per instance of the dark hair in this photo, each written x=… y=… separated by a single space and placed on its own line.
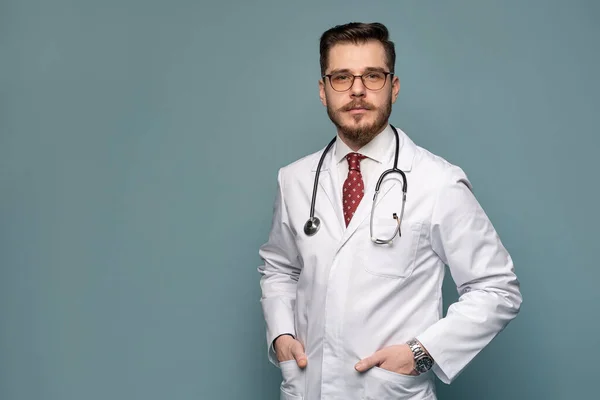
x=357 y=33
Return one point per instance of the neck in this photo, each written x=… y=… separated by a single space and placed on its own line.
x=353 y=145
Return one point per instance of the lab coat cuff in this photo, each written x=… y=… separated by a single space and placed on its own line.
x=279 y=317
x=441 y=366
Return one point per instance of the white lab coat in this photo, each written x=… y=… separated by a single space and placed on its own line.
x=344 y=297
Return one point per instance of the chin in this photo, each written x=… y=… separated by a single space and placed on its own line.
x=359 y=121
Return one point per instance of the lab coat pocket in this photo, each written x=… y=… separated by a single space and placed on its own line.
x=381 y=384
x=292 y=386
x=395 y=259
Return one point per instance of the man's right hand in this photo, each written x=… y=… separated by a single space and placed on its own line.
x=287 y=348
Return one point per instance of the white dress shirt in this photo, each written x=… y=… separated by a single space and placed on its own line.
x=375 y=151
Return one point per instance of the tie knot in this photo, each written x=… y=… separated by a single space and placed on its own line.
x=354 y=160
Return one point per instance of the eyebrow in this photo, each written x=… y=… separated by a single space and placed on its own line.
x=368 y=69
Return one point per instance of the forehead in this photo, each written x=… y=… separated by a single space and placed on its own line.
x=356 y=57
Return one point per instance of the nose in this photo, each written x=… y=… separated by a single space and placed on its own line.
x=358 y=88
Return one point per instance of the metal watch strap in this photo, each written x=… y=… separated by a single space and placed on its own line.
x=416 y=348
x=423 y=361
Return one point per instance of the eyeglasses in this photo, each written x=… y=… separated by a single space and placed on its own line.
x=343 y=81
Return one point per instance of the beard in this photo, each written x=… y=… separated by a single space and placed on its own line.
x=360 y=134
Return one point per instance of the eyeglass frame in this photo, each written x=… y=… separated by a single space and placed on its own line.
x=361 y=79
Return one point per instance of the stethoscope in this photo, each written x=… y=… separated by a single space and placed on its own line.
x=313 y=224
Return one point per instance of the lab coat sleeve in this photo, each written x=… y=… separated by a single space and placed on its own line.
x=279 y=274
x=482 y=269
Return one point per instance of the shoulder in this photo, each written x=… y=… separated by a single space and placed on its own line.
x=437 y=170
x=443 y=186
x=301 y=167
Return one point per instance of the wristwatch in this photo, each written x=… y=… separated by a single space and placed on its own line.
x=423 y=362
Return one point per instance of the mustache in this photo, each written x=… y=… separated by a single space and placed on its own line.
x=357 y=104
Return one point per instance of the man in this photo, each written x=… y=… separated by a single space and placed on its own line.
x=349 y=318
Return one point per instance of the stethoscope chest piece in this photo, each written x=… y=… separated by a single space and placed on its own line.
x=312 y=226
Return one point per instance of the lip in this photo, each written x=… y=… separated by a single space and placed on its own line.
x=357 y=110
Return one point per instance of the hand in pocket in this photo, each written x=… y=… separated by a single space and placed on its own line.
x=287 y=348
x=398 y=359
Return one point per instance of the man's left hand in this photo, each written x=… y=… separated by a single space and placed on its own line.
x=398 y=359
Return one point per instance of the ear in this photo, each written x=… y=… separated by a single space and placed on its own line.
x=322 y=94
x=395 y=88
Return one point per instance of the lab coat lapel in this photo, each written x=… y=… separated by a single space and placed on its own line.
x=328 y=184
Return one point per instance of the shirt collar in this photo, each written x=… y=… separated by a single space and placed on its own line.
x=376 y=149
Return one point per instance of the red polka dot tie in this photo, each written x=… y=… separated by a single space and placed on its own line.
x=354 y=187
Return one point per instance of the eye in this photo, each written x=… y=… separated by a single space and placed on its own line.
x=341 y=77
x=374 y=76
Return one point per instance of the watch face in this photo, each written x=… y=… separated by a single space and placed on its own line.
x=424 y=364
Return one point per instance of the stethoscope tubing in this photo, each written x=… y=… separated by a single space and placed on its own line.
x=313 y=224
